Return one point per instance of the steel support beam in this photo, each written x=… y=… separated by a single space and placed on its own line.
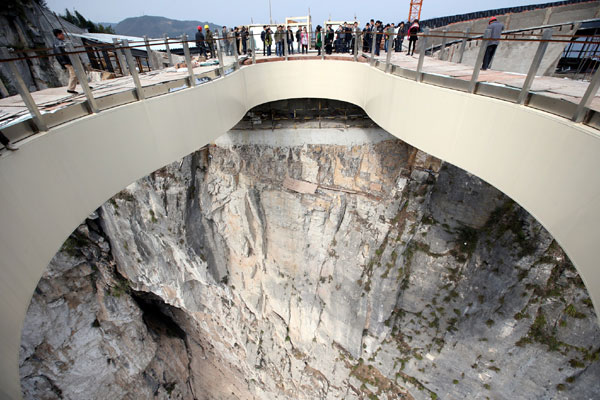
x=82 y=77
x=535 y=65
x=139 y=91
x=21 y=87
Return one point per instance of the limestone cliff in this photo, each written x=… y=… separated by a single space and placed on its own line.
x=399 y=277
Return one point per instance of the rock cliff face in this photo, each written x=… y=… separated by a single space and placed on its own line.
x=399 y=277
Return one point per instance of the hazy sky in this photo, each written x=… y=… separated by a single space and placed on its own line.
x=238 y=12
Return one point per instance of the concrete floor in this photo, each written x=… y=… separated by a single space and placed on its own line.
x=49 y=100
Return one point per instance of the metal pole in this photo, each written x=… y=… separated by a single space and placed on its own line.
x=388 y=56
x=422 y=55
x=169 y=55
x=82 y=77
x=323 y=34
x=285 y=43
x=372 y=62
x=535 y=65
x=220 y=55
x=235 y=52
x=21 y=87
x=444 y=41
x=463 y=45
x=139 y=91
x=587 y=97
x=356 y=44
x=477 y=66
x=119 y=54
x=253 y=48
x=188 y=61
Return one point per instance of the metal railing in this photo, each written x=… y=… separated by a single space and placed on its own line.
x=39 y=122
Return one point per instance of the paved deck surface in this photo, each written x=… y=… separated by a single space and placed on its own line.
x=12 y=108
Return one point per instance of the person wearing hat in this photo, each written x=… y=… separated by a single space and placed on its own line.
x=200 y=42
x=209 y=41
x=496 y=27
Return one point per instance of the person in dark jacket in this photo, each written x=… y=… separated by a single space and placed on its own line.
x=413 y=31
x=400 y=37
x=200 y=42
x=496 y=28
x=263 y=37
x=208 y=36
x=238 y=40
x=290 y=40
x=329 y=40
x=379 y=32
x=298 y=37
x=245 y=35
x=366 y=34
x=64 y=60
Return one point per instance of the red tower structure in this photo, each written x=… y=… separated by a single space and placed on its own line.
x=415 y=10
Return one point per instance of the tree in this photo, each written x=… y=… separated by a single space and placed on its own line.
x=79 y=20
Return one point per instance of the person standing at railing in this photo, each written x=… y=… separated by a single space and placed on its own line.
x=290 y=40
x=400 y=37
x=263 y=37
x=355 y=36
x=200 y=42
x=268 y=40
x=389 y=33
x=329 y=40
x=496 y=27
x=238 y=40
x=279 y=38
x=304 y=40
x=209 y=41
x=64 y=60
x=319 y=40
x=298 y=35
x=413 y=32
x=244 y=35
x=379 y=37
x=367 y=38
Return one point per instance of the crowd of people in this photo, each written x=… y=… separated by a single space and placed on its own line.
x=342 y=40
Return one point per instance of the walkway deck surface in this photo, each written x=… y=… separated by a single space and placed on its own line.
x=49 y=100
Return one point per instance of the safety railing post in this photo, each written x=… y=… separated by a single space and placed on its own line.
x=463 y=46
x=21 y=87
x=444 y=42
x=535 y=65
x=355 y=44
x=188 y=61
x=169 y=55
x=388 y=56
x=422 y=55
x=253 y=48
x=285 y=42
x=220 y=53
x=235 y=53
x=120 y=58
x=151 y=62
x=587 y=98
x=323 y=35
x=479 y=61
x=372 y=61
x=82 y=77
x=139 y=91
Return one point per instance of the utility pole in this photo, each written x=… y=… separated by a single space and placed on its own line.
x=270 y=16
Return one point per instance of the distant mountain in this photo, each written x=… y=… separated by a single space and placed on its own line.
x=156 y=27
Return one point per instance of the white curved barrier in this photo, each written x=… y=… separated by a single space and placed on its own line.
x=549 y=165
